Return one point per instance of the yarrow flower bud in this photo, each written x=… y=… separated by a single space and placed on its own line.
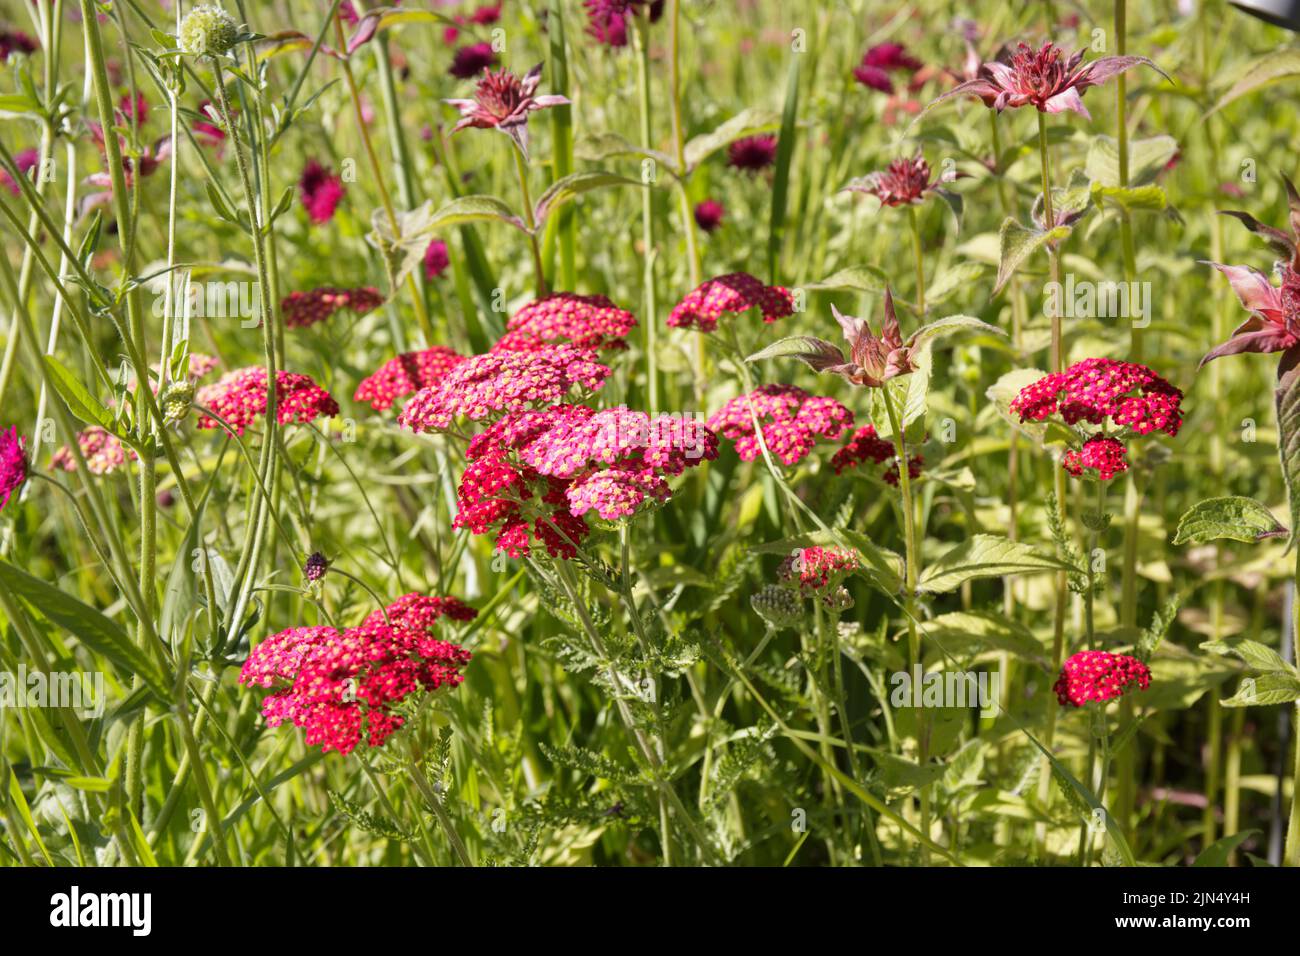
x=208 y=30
x=1099 y=676
x=175 y=400
x=779 y=607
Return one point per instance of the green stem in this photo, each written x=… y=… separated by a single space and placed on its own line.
x=647 y=221
x=1291 y=855
x=521 y=170
x=919 y=259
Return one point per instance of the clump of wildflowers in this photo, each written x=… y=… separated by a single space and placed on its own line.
x=13 y=464
x=791 y=422
x=701 y=308
x=1099 y=676
x=341 y=685
x=502 y=382
x=240 y=399
x=303 y=309
x=406 y=374
x=586 y=321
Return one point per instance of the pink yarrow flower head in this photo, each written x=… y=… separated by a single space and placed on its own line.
x=709 y=214
x=436 y=259
x=406 y=374
x=103 y=451
x=321 y=191
x=752 y=153
x=587 y=321
x=816 y=570
x=790 y=421
x=872 y=360
x=303 y=309
x=240 y=398
x=421 y=612
x=13 y=464
x=905 y=181
x=864 y=445
x=1274 y=323
x=498 y=382
x=502 y=101
x=734 y=292
x=469 y=61
x=1044 y=79
x=1099 y=676
x=345 y=686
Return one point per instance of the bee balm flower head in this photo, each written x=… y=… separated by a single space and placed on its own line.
x=502 y=101
x=13 y=464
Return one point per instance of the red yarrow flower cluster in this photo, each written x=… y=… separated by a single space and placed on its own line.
x=735 y=292
x=13 y=464
x=815 y=570
x=420 y=612
x=587 y=321
x=240 y=399
x=791 y=421
x=502 y=382
x=342 y=685
x=1095 y=390
x=545 y=469
x=1099 y=676
x=303 y=309
x=321 y=191
x=406 y=374
x=1106 y=456
x=865 y=445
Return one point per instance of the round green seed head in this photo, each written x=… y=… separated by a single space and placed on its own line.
x=208 y=30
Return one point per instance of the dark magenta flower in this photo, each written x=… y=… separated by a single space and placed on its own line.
x=752 y=153
x=708 y=215
x=903 y=182
x=470 y=61
x=436 y=259
x=315 y=567
x=502 y=101
x=607 y=19
x=890 y=56
x=15 y=41
x=321 y=191
x=13 y=464
x=874 y=77
x=26 y=161
x=1042 y=79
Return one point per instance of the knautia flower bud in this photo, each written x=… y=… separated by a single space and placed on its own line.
x=779 y=607
x=208 y=30
x=176 y=400
x=315 y=567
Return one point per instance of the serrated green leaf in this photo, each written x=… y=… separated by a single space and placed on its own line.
x=1232 y=517
x=575 y=184
x=1016 y=243
x=853 y=279
x=986 y=556
x=1259 y=656
x=1263 y=690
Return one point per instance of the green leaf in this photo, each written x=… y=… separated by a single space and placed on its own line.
x=953 y=278
x=781 y=173
x=1002 y=392
x=986 y=556
x=1267 y=69
x=963 y=633
x=83 y=406
x=1259 y=656
x=941 y=328
x=853 y=279
x=1287 y=399
x=806 y=348
x=179 y=598
x=1218 y=852
x=97 y=632
x=1232 y=517
x=570 y=187
x=1265 y=689
x=1017 y=243
x=1082 y=793
x=1146 y=157
x=1149 y=198
x=603 y=146
x=1161 y=621
x=745 y=123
